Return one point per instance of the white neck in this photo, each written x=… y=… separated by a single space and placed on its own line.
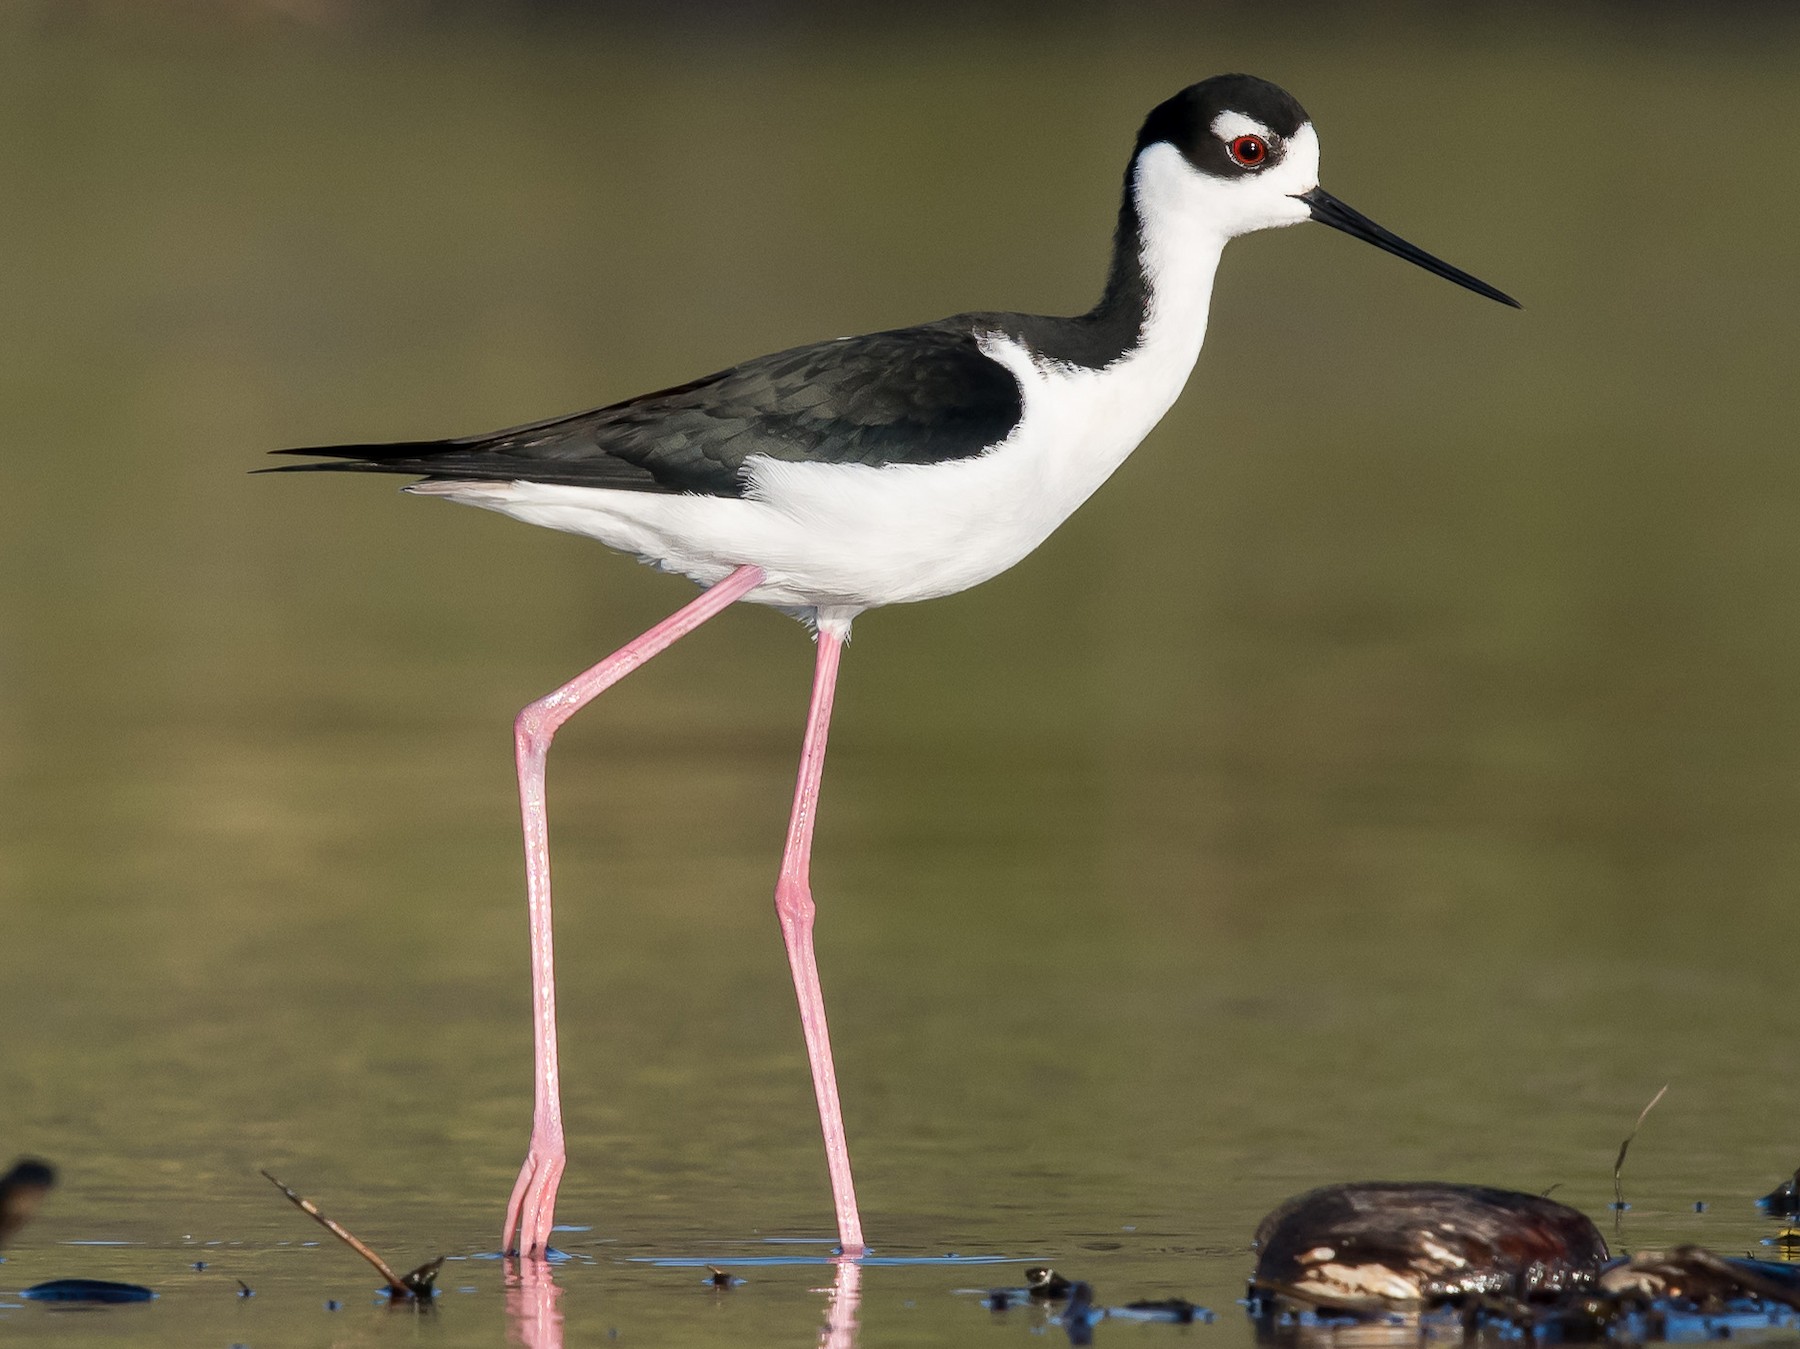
x=1181 y=242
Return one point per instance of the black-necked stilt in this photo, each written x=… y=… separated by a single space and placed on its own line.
x=873 y=470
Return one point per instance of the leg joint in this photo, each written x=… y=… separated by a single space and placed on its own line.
x=536 y=722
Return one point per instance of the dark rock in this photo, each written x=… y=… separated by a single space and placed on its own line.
x=1396 y=1244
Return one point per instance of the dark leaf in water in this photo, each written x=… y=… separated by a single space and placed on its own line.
x=1176 y=1309
x=87 y=1290
x=1784 y=1200
x=1046 y=1283
x=419 y=1282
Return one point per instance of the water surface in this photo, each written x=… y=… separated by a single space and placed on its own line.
x=1390 y=774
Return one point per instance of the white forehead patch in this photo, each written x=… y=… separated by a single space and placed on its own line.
x=1230 y=125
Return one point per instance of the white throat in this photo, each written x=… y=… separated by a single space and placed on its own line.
x=1182 y=237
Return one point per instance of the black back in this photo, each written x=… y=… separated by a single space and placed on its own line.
x=909 y=396
x=918 y=395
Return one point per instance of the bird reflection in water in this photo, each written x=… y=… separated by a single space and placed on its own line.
x=841 y=1302
x=535 y=1320
x=533 y=1317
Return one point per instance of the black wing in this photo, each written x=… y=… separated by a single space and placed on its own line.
x=911 y=396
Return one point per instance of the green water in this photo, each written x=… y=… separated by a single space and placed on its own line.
x=1391 y=773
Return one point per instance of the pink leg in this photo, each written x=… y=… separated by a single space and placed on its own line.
x=794 y=907
x=530 y=1211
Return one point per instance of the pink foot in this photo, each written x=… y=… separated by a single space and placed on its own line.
x=531 y=1211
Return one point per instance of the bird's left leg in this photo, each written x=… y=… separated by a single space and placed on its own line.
x=529 y=1211
x=794 y=907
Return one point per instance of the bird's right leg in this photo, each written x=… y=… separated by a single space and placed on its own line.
x=531 y=1210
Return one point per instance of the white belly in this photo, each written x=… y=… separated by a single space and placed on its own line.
x=852 y=537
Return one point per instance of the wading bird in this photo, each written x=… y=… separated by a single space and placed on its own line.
x=874 y=470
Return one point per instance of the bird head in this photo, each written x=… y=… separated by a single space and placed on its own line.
x=1235 y=154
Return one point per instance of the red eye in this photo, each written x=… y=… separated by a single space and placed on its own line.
x=1249 y=151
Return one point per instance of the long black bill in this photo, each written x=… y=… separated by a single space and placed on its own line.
x=1328 y=210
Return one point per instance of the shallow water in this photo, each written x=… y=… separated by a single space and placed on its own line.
x=1392 y=773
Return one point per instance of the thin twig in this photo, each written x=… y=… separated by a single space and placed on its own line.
x=1619 y=1163
x=396 y=1286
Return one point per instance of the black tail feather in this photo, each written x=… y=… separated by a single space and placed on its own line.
x=381 y=458
x=471 y=460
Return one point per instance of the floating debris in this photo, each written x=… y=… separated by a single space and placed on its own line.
x=416 y=1286
x=1046 y=1284
x=1694 y=1275
x=1784 y=1200
x=1449 y=1259
x=1619 y=1204
x=22 y=1191
x=87 y=1290
x=1078 y=1317
x=1042 y=1284
x=1388 y=1244
x=1787 y=1241
x=1177 y=1310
